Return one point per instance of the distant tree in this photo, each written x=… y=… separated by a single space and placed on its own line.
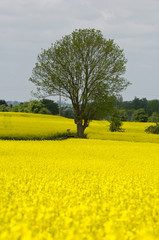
x=139 y=103
x=31 y=107
x=15 y=108
x=3 y=102
x=153 y=106
x=140 y=116
x=51 y=106
x=115 y=121
x=123 y=115
x=136 y=103
x=85 y=68
x=154 y=117
x=37 y=107
x=23 y=107
x=119 y=102
x=44 y=111
x=144 y=104
x=127 y=105
x=67 y=112
x=4 y=108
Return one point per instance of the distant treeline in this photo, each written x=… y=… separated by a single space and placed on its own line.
x=45 y=106
x=141 y=110
x=149 y=106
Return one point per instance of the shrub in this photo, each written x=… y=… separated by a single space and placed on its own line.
x=153 y=129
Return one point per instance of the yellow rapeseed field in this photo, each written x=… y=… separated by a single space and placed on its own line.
x=27 y=125
x=77 y=189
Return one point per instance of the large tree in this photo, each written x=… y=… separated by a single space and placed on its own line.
x=84 y=67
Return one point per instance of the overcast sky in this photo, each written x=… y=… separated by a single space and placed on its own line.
x=27 y=26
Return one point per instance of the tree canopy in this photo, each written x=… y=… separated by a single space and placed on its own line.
x=84 y=67
x=140 y=115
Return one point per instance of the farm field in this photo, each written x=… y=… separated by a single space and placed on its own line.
x=28 y=126
x=79 y=189
x=84 y=189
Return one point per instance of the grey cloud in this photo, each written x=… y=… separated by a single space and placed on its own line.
x=29 y=25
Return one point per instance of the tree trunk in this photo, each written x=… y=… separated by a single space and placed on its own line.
x=80 y=130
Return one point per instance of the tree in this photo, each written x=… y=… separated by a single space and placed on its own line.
x=3 y=102
x=37 y=107
x=154 y=117
x=67 y=112
x=138 y=103
x=123 y=115
x=4 y=108
x=23 y=107
x=51 y=106
x=84 y=67
x=115 y=121
x=15 y=108
x=140 y=116
x=153 y=106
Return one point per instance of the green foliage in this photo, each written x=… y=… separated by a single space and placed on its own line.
x=153 y=106
x=135 y=104
x=115 y=121
x=44 y=111
x=24 y=107
x=99 y=109
x=123 y=115
x=131 y=106
x=153 y=129
x=86 y=68
x=35 y=106
x=3 y=102
x=140 y=116
x=31 y=107
x=67 y=112
x=139 y=103
x=15 y=108
x=4 y=108
x=154 y=117
x=51 y=106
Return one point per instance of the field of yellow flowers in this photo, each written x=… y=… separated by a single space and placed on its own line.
x=30 y=126
x=27 y=125
x=78 y=189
